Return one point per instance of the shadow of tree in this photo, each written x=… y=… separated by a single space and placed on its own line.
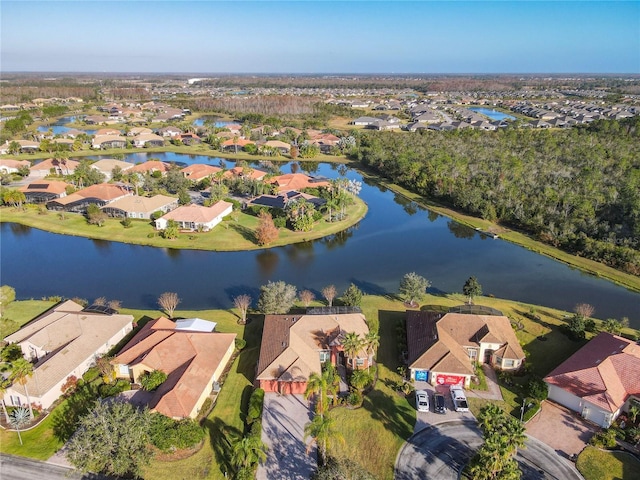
x=221 y=437
x=66 y=419
x=245 y=232
x=384 y=409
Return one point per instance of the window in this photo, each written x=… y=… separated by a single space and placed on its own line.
x=359 y=362
x=473 y=354
x=509 y=363
x=324 y=356
x=124 y=369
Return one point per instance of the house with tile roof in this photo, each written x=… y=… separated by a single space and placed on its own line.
x=198 y=171
x=44 y=191
x=9 y=165
x=600 y=380
x=99 y=194
x=108 y=141
x=64 y=341
x=151 y=166
x=442 y=348
x=196 y=217
x=134 y=206
x=106 y=166
x=297 y=181
x=193 y=359
x=295 y=346
x=245 y=172
x=54 y=166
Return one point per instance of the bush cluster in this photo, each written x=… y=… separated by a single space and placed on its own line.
x=167 y=434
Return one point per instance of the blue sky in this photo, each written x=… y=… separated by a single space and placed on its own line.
x=321 y=36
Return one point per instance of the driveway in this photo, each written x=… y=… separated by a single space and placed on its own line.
x=424 y=419
x=440 y=451
x=561 y=429
x=283 y=421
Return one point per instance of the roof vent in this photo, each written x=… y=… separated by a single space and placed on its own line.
x=284 y=344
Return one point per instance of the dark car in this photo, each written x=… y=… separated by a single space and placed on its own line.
x=438 y=403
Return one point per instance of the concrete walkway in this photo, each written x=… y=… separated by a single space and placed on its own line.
x=494 y=392
x=283 y=421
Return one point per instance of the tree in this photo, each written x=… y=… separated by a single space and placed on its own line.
x=352 y=296
x=612 y=325
x=171 y=231
x=322 y=385
x=19 y=418
x=352 y=345
x=242 y=303
x=577 y=327
x=248 y=451
x=472 y=289
x=413 y=287
x=341 y=469
x=306 y=297
x=124 y=444
x=169 y=301
x=266 y=231
x=7 y=295
x=503 y=435
x=276 y=298
x=95 y=216
x=4 y=385
x=371 y=343
x=14 y=197
x=329 y=293
x=323 y=432
x=21 y=371
x=106 y=369
x=150 y=381
x=584 y=309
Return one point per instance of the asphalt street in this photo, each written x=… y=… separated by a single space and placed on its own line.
x=19 y=468
x=440 y=451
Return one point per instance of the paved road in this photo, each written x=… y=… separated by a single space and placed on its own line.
x=19 y=468
x=439 y=452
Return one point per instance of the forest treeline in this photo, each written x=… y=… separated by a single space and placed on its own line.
x=577 y=189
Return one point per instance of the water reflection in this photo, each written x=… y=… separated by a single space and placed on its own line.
x=267 y=261
x=309 y=167
x=20 y=230
x=432 y=216
x=460 y=231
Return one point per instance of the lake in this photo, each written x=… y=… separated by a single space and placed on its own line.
x=492 y=114
x=397 y=236
x=199 y=122
x=58 y=127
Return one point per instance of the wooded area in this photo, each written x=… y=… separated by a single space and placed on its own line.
x=577 y=189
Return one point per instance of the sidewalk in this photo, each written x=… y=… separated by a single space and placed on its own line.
x=494 y=392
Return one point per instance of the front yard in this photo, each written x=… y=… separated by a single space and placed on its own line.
x=596 y=464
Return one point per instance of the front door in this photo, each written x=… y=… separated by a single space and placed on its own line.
x=487 y=356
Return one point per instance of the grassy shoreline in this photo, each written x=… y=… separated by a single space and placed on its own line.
x=226 y=237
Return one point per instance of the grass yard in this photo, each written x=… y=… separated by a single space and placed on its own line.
x=596 y=464
x=227 y=236
x=17 y=314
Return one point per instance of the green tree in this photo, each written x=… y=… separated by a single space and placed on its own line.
x=276 y=297
x=123 y=446
x=352 y=296
x=7 y=295
x=248 y=451
x=4 y=385
x=612 y=325
x=14 y=197
x=95 y=215
x=21 y=371
x=322 y=385
x=323 y=432
x=171 y=231
x=472 y=289
x=577 y=326
x=413 y=287
x=150 y=381
x=371 y=343
x=352 y=345
x=341 y=469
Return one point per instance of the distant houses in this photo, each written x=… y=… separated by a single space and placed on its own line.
x=196 y=217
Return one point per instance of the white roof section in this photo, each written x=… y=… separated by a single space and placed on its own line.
x=195 y=325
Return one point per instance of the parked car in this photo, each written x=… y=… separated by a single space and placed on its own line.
x=422 y=401
x=459 y=399
x=438 y=403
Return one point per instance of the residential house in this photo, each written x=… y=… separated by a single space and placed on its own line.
x=298 y=181
x=26 y=146
x=189 y=138
x=62 y=342
x=365 y=121
x=151 y=166
x=283 y=147
x=107 y=131
x=235 y=144
x=245 y=172
x=326 y=141
x=170 y=131
x=295 y=346
x=281 y=200
x=135 y=131
x=95 y=119
x=196 y=217
x=443 y=347
x=600 y=380
x=191 y=354
x=44 y=191
x=8 y=165
x=54 y=166
x=108 y=141
x=106 y=166
x=100 y=194
x=198 y=171
x=148 y=140
x=134 y=206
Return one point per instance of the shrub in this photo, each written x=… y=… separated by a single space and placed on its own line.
x=126 y=223
x=256 y=401
x=167 y=434
x=604 y=439
x=111 y=389
x=152 y=380
x=538 y=389
x=90 y=375
x=355 y=398
x=157 y=215
x=240 y=343
x=280 y=222
x=205 y=408
x=528 y=415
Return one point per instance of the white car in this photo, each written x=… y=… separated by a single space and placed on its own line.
x=422 y=401
x=459 y=399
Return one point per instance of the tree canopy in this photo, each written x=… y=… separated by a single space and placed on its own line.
x=276 y=297
x=413 y=287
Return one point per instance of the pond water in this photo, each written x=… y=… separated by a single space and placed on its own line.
x=492 y=114
x=58 y=127
x=199 y=122
x=168 y=157
x=397 y=236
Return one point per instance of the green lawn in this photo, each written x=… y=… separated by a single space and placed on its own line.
x=227 y=236
x=39 y=443
x=596 y=464
x=17 y=314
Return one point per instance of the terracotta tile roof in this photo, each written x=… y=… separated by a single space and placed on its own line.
x=151 y=166
x=440 y=341
x=107 y=132
x=11 y=163
x=606 y=371
x=48 y=164
x=199 y=171
x=240 y=171
x=45 y=186
x=296 y=181
x=291 y=343
x=107 y=165
x=197 y=213
x=188 y=358
x=240 y=142
x=71 y=335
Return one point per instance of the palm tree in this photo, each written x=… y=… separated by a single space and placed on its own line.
x=19 y=417
x=21 y=370
x=371 y=344
x=352 y=344
x=322 y=431
x=248 y=451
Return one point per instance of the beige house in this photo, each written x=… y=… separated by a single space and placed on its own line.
x=64 y=341
x=140 y=207
x=106 y=166
x=443 y=347
x=195 y=217
x=8 y=165
x=191 y=354
x=44 y=191
x=54 y=166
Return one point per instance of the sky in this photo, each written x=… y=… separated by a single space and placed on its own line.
x=315 y=37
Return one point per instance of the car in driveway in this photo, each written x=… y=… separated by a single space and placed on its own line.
x=459 y=399
x=439 y=403
x=422 y=401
